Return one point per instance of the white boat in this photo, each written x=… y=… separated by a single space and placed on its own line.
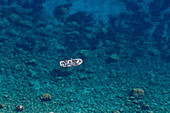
x=71 y=63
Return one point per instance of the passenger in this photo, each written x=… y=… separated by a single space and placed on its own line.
x=62 y=64
x=66 y=64
x=73 y=64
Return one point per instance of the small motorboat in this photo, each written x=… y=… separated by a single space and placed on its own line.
x=71 y=63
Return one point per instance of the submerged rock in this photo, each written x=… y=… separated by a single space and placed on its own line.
x=45 y=97
x=85 y=53
x=1 y=106
x=14 y=18
x=20 y=108
x=137 y=93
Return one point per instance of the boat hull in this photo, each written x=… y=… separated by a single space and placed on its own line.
x=71 y=63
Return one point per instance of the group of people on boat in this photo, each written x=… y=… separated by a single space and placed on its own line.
x=71 y=63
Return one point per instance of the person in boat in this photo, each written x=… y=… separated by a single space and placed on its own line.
x=75 y=61
x=62 y=64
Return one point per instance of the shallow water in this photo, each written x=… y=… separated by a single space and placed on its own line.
x=124 y=45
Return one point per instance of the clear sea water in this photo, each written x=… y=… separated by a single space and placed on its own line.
x=124 y=45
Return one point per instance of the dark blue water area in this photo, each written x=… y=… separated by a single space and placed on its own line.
x=124 y=45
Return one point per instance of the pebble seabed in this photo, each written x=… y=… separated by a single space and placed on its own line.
x=127 y=71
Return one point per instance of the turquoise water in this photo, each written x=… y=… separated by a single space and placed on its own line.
x=124 y=45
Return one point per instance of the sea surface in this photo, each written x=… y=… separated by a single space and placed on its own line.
x=124 y=45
